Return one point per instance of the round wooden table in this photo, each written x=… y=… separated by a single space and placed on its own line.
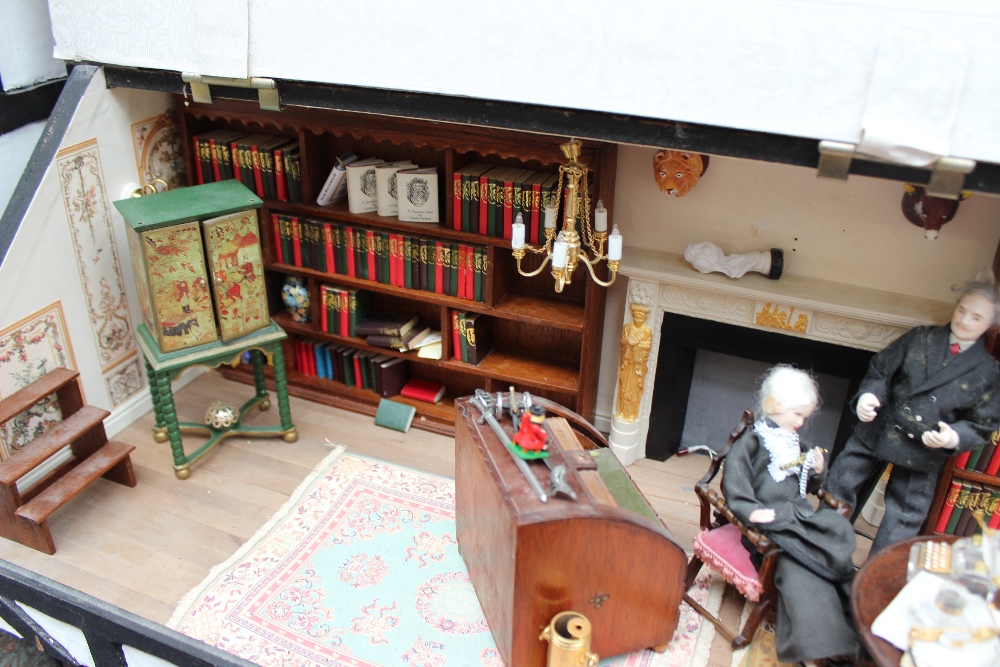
x=875 y=585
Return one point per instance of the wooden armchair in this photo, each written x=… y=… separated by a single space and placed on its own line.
x=719 y=545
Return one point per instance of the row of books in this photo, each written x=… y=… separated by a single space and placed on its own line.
x=472 y=336
x=487 y=199
x=965 y=497
x=398 y=189
x=985 y=459
x=390 y=258
x=269 y=166
x=381 y=373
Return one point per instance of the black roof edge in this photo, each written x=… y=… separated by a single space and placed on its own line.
x=594 y=125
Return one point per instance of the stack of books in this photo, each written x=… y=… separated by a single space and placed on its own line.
x=487 y=199
x=268 y=165
x=398 y=331
x=472 y=336
x=964 y=497
x=381 y=373
x=985 y=459
x=390 y=258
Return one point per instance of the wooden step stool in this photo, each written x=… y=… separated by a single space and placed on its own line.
x=23 y=517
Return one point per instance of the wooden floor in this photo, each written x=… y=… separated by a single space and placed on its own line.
x=144 y=548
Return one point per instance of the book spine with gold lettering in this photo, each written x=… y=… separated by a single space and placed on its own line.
x=456 y=201
x=949 y=505
x=963 y=497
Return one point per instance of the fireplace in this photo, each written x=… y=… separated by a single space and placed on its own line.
x=684 y=338
x=830 y=327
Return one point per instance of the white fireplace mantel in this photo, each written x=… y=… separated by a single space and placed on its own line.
x=819 y=310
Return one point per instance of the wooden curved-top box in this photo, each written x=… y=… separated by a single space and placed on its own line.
x=605 y=555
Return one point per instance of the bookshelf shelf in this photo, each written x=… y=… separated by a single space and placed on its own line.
x=543 y=342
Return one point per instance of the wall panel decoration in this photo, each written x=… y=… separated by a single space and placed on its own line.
x=88 y=213
x=123 y=381
x=29 y=349
x=158 y=154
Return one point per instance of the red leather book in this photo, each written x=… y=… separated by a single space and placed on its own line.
x=372 y=258
x=536 y=208
x=331 y=260
x=423 y=390
x=345 y=313
x=456 y=335
x=352 y=270
x=356 y=360
x=300 y=357
x=398 y=262
x=296 y=241
x=324 y=298
x=197 y=160
x=963 y=459
x=949 y=505
x=276 y=227
x=460 y=287
x=216 y=167
x=234 y=156
x=994 y=521
x=438 y=267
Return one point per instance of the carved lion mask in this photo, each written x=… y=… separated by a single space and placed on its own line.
x=677 y=172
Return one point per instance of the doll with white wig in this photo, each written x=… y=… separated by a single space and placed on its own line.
x=767 y=476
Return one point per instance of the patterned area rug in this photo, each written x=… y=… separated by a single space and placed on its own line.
x=361 y=567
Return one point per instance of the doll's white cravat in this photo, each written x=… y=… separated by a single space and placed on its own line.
x=783 y=446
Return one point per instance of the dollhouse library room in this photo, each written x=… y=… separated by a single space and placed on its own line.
x=660 y=335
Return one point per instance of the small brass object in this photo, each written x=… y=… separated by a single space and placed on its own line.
x=568 y=635
x=221 y=415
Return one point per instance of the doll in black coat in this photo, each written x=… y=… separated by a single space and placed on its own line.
x=931 y=394
x=765 y=481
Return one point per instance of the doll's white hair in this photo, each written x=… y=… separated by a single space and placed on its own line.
x=985 y=285
x=786 y=388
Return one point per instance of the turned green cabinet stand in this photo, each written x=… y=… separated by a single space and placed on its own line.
x=163 y=368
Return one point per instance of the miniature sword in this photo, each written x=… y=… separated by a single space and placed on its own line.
x=517 y=405
x=482 y=401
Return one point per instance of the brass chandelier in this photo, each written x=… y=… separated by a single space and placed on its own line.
x=568 y=247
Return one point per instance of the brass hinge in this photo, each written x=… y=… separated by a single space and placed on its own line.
x=947 y=173
x=267 y=89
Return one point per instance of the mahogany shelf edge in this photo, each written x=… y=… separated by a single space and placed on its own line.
x=436 y=418
x=496 y=365
x=516 y=307
x=976 y=476
x=339 y=213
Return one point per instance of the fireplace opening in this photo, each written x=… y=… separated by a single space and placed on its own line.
x=729 y=359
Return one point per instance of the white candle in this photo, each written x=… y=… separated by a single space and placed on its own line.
x=615 y=245
x=559 y=252
x=550 y=216
x=600 y=217
x=517 y=233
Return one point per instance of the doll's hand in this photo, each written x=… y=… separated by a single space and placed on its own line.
x=944 y=438
x=820 y=460
x=761 y=516
x=867 y=404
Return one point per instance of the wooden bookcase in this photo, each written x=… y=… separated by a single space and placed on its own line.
x=545 y=343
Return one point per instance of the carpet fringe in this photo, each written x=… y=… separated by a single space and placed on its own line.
x=189 y=599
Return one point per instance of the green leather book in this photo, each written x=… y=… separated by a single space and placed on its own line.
x=397 y=416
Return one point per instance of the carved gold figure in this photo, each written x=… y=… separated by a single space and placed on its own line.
x=633 y=364
x=774 y=317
